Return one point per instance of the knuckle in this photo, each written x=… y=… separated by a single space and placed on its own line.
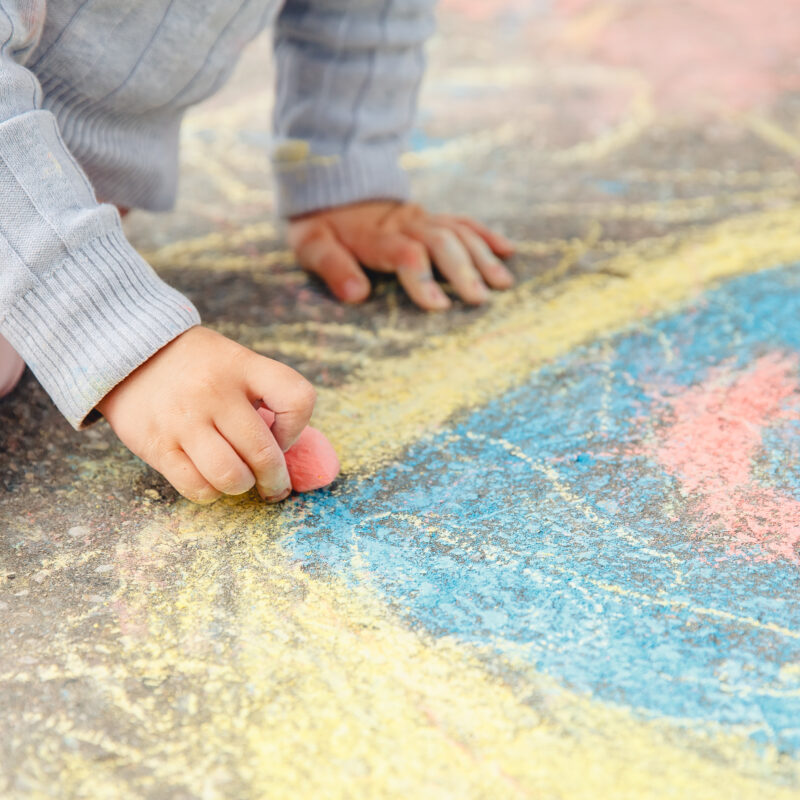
x=304 y=395
x=266 y=458
x=414 y=211
x=413 y=256
x=311 y=234
x=232 y=480
x=183 y=415
x=409 y=214
x=464 y=233
x=441 y=238
x=239 y=358
x=328 y=263
x=155 y=450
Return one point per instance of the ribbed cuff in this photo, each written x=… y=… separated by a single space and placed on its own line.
x=94 y=319
x=318 y=182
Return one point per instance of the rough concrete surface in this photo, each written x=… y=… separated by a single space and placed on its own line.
x=562 y=558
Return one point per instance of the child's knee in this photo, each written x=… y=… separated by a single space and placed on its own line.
x=11 y=367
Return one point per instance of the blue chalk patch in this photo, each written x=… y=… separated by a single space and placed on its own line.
x=538 y=526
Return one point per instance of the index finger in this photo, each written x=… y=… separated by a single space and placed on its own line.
x=286 y=393
x=244 y=429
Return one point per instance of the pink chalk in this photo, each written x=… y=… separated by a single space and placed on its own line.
x=311 y=460
x=710 y=442
x=733 y=64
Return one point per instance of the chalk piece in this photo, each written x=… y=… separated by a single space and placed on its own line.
x=311 y=460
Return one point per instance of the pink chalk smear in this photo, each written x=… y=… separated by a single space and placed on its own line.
x=714 y=432
x=727 y=55
x=311 y=460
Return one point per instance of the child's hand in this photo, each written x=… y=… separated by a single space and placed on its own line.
x=401 y=238
x=189 y=412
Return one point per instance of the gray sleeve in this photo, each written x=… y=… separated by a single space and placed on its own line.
x=348 y=78
x=76 y=300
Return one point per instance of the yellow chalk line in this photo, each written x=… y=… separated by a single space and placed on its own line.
x=323 y=693
x=772 y=133
x=710 y=176
x=175 y=253
x=213 y=251
x=394 y=401
x=640 y=114
x=680 y=209
x=629 y=130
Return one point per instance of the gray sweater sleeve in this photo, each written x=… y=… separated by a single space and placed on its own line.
x=348 y=77
x=76 y=300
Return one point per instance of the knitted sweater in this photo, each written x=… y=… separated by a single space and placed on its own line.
x=92 y=93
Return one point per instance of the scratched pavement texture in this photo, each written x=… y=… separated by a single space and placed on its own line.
x=562 y=558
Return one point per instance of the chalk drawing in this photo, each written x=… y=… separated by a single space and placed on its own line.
x=623 y=559
x=562 y=557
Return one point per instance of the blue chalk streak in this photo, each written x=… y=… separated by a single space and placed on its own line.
x=477 y=543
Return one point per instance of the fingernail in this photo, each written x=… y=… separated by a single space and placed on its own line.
x=480 y=290
x=271 y=497
x=504 y=272
x=352 y=290
x=439 y=300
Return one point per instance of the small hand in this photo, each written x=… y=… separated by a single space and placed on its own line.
x=190 y=412
x=401 y=238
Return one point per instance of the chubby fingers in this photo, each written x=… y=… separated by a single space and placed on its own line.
x=217 y=461
x=454 y=262
x=176 y=466
x=408 y=259
x=492 y=269
x=285 y=392
x=234 y=450
x=257 y=448
x=463 y=257
x=319 y=251
x=498 y=243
